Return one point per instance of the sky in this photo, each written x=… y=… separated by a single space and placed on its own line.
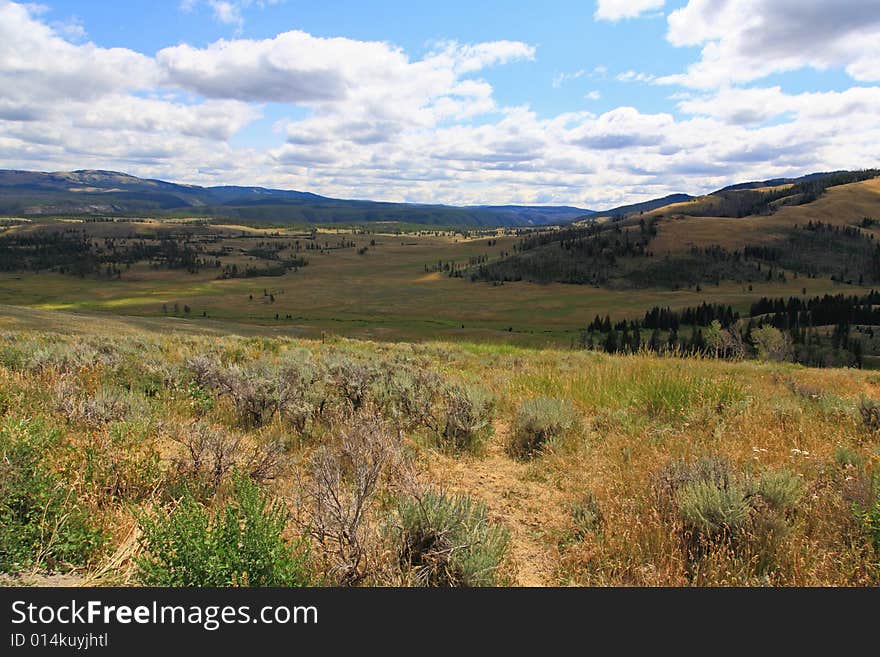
x=557 y=102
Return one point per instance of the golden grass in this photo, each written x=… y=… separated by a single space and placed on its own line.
x=844 y=205
x=640 y=412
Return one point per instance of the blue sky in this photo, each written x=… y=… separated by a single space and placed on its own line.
x=554 y=102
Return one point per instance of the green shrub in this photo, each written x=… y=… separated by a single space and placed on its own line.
x=239 y=544
x=678 y=474
x=466 y=417
x=780 y=489
x=41 y=520
x=537 y=422
x=710 y=511
x=449 y=541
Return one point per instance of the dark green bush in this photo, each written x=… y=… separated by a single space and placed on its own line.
x=239 y=544
x=537 y=422
x=42 y=523
x=449 y=541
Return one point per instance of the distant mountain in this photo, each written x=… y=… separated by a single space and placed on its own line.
x=90 y=192
x=536 y=214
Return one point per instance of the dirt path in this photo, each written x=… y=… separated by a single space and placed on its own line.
x=512 y=495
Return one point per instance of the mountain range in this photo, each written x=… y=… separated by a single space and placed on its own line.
x=92 y=192
x=111 y=193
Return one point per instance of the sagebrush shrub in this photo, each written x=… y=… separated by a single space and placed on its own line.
x=339 y=493
x=107 y=404
x=870 y=412
x=448 y=541
x=209 y=456
x=255 y=391
x=780 y=489
x=352 y=378
x=238 y=544
x=407 y=396
x=538 y=422
x=711 y=511
x=466 y=417
x=299 y=400
x=677 y=474
x=848 y=458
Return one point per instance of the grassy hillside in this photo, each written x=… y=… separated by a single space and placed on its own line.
x=705 y=240
x=544 y=467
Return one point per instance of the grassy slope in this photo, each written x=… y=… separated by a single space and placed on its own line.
x=638 y=412
x=843 y=205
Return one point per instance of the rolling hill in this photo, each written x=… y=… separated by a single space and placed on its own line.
x=820 y=225
x=89 y=192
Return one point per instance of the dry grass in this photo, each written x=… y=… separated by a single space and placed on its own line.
x=844 y=205
x=638 y=414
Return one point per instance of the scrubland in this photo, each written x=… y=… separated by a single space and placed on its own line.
x=154 y=458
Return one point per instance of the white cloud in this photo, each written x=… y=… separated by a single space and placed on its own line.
x=382 y=124
x=39 y=67
x=296 y=67
x=635 y=76
x=230 y=12
x=561 y=78
x=745 y=40
x=615 y=10
x=593 y=95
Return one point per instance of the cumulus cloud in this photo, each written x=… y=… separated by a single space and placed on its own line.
x=369 y=120
x=745 y=40
x=615 y=10
x=38 y=67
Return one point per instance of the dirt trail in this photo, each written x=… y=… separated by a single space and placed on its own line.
x=523 y=503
